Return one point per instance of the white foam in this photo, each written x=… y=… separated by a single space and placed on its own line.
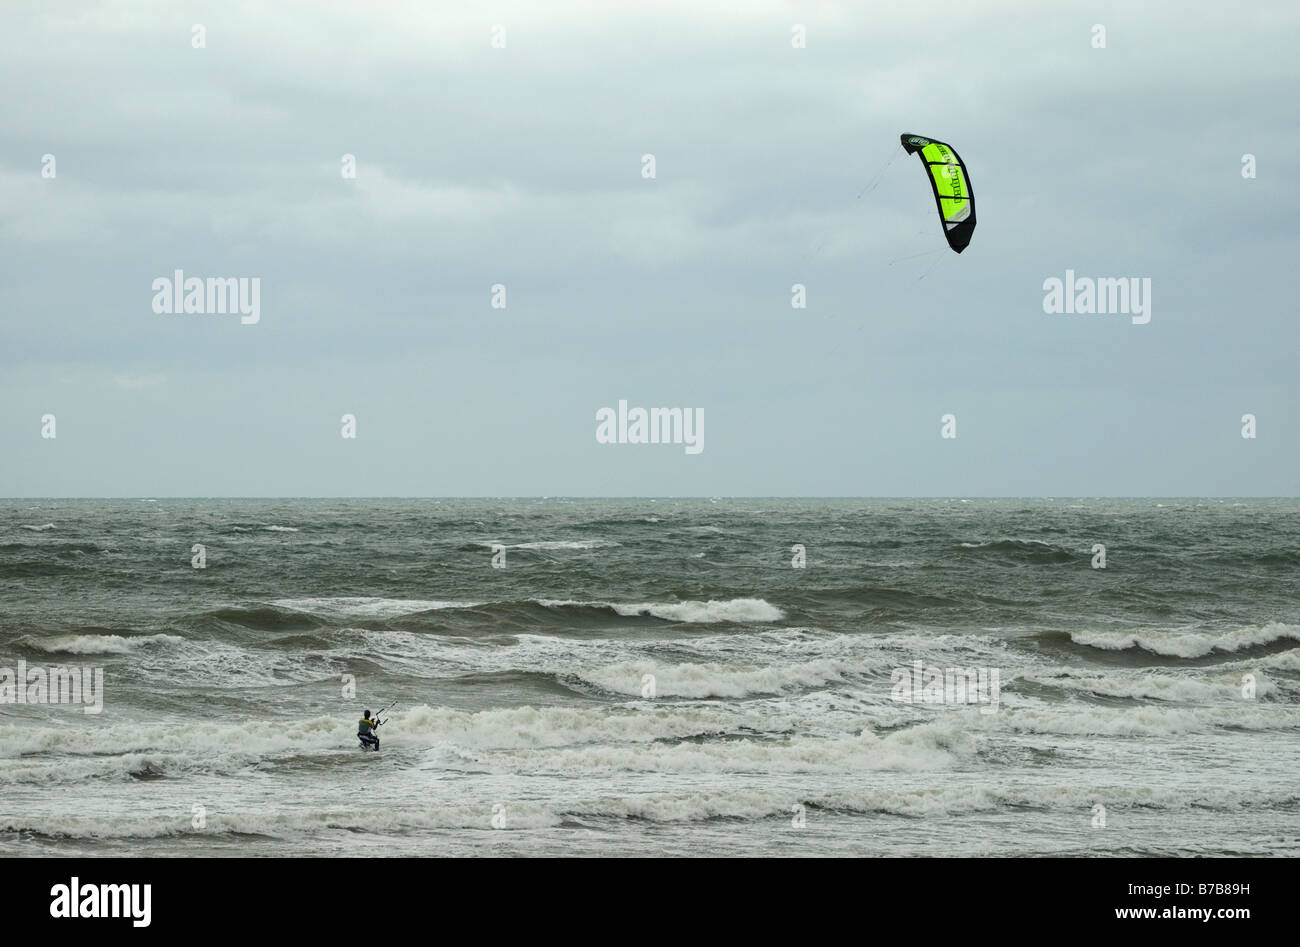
x=930 y=746
x=1186 y=644
x=1224 y=687
x=747 y=803
x=1139 y=721
x=533 y=727
x=1280 y=661
x=193 y=744
x=365 y=606
x=513 y=728
x=95 y=644
x=38 y=529
x=715 y=680
x=733 y=610
x=288 y=822
x=737 y=610
x=755 y=804
x=567 y=544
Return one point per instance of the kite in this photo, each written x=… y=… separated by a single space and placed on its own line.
x=951 y=184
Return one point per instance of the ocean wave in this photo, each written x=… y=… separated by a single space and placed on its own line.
x=513 y=728
x=552 y=727
x=923 y=747
x=1154 y=686
x=712 y=646
x=574 y=742
x=61 y=549
x=1137 y=721
x=715 y=680
x=191 y=745
x=1188 y=644
x=366 y=606
x=38 y=529
x=263 y=618
x=755 y=804
x=745 y=804
x=142 y=764
x=564 y=544
x=93 y=644
x=1031 y=549
x=732 y=610
x=287 y=823
x=1285 y=661
x=570 y=740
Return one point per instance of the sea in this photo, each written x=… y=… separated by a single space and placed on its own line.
x=649 y=677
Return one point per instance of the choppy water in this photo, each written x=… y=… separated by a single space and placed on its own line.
x=523 y=691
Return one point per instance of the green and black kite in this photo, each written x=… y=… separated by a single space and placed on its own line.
x=951 y=183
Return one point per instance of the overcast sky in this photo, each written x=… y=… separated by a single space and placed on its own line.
x=478 y=165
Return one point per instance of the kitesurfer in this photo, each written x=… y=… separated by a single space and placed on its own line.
x=366 y=732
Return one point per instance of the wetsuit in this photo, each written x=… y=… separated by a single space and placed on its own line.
x=366 y=733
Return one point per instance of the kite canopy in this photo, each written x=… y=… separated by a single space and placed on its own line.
x=951 y=184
